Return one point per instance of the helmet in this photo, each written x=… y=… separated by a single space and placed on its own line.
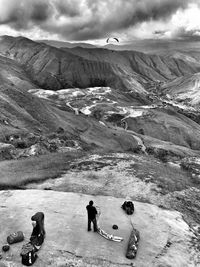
x=5 y=247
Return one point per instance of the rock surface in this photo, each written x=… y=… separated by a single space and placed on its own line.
x=165 y=237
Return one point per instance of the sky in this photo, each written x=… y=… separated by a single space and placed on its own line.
x=95 y=20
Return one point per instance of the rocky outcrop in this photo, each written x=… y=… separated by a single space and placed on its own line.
x=165 y=237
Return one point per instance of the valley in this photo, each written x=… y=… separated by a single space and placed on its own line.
x=80 y=123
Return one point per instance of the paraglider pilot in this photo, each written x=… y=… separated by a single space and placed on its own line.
x=92 y=212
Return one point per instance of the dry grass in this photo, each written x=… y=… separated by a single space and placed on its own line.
x=92 y=176
x=167 y=178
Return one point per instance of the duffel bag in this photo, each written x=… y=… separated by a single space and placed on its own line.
x=15 y=237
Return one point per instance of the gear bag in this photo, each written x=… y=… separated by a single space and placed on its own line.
x=28 y=254
x=128 y=207
x=15 y=237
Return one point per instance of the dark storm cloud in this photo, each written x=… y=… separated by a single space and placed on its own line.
x=68 y=8
x=40 y=12
x=107 y=16
x=85 y=19
x=160 y=33
x=23 y=14
x=154 y=10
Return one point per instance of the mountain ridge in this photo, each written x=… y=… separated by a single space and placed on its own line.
x=128 y=75
x=79 y=67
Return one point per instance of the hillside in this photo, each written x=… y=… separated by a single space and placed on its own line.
x=184 y=89
x=23 y=113
x=149 y=67
x=157 y=46
x=53 y=68
x=166 y=125
x=26 y=66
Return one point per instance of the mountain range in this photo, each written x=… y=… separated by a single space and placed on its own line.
x=135 y=80
x=104 y=123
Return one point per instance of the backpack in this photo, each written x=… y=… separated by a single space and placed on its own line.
x=128 y=207
x=28 y=254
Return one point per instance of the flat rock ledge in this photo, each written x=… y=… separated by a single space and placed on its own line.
x=165 y=238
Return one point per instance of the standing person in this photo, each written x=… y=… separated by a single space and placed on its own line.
x=92 y=212
x=38 y=233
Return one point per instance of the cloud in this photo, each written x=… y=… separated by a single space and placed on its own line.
x=40 y=12
x=21 y=14
x=86 y=19
x=184 y=34
x=68 y=8
x=99 y=19
x=160 y=32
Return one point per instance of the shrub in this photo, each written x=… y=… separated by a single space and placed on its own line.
x=20 y=144
x=60 y=130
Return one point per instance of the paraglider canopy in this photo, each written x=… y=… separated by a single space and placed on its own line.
x=112 y=40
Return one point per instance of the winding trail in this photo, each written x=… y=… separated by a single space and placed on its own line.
x=76 y=110
x=139 y=140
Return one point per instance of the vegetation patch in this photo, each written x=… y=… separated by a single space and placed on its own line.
x=17 y=173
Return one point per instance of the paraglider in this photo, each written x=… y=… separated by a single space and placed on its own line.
x=112 y=39
x=112 y=42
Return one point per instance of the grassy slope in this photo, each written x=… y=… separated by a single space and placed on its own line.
x=168 y=125
x=16 y=173
x=141 y=178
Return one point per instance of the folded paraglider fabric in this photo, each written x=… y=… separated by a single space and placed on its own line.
x=109 y=236
x=133 y=244
x=103 y=233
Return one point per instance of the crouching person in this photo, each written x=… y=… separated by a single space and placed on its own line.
x=38 y=233
x=28 y=252
x=92 y=212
